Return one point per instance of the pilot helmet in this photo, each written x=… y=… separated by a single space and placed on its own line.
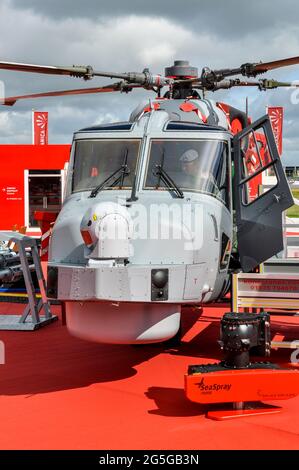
x=189 y=156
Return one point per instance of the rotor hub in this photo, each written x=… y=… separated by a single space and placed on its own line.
x=181 y=69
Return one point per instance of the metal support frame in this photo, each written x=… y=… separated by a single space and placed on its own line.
x=30 y=319
x=267 y=296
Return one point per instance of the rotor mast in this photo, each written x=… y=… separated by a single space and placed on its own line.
x=182 y=74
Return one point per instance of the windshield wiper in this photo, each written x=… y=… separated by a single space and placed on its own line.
x=123 y=170
x=168 y=181
x=133 y=196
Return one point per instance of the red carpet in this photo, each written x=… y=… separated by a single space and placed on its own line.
x=57 y=392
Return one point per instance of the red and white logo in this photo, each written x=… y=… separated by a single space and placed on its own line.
x=40 y=128
x=276 y=118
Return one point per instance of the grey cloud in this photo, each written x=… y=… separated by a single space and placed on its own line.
x=231 y=18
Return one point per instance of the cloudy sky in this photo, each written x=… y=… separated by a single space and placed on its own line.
x=122 y=35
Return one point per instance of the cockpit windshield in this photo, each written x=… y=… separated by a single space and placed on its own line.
x=96 y=160
x=194 y=165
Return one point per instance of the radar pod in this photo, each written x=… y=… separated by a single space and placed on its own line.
x=236 y=383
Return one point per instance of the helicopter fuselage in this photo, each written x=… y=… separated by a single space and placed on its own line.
x=124 y=259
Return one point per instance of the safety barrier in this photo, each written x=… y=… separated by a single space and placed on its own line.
x=276 y=293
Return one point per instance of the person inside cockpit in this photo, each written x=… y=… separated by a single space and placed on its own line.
x=194 y=174
x=190 y=162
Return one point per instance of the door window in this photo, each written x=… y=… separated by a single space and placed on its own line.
x=44 y=194
x=256 y=163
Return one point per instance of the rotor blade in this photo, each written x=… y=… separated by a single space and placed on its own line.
x=253 y=69
x=85 y=72
x=121 y=86
x=265 y=66
x=209 y=77
x=267 y=84
x=145 y=78
x=264 y=84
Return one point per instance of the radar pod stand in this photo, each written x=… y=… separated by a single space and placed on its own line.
x=236 y=384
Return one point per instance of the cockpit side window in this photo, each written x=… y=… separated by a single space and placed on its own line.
x=194 y=165
x=96 y=160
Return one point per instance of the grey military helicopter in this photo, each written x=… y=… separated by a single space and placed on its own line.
x=161 y=208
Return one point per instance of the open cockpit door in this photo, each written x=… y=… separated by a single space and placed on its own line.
x=259 y=208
